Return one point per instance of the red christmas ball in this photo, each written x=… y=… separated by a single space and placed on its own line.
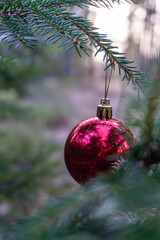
x=94 y=145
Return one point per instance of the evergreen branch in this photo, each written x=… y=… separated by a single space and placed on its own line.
x=14 y=30
x=48 y=3
x=121 y=61
x=47 y=18
x=95 y=3
x=44 y=23
x=82 y=3
x=13 y=11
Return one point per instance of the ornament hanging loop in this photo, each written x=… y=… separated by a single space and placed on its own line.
x=107 y=81
x=104 y=109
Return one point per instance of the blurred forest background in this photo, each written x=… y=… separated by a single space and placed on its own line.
x=45 y=92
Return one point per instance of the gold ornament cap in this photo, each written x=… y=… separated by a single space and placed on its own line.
x=104 y=109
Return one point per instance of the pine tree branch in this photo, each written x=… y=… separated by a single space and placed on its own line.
x=45 y=23
x=60 y=30
x=47 y=18
x=13 y=11
x=107 y=51
x=95 y=3
x=13 y=30
x=79 y=3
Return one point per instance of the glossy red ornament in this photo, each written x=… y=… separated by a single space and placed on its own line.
x=94 y=145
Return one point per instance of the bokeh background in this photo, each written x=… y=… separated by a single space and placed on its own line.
x=45 y=92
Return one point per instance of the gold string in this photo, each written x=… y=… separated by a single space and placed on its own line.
x=107 y=81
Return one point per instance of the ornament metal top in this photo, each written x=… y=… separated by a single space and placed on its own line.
x=96 y=144
x=104 y=110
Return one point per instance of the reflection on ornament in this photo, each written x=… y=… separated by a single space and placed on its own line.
x=94 y=146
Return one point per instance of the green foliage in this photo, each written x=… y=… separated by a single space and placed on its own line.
x=143 y=113
x=23 y=21
x=29 y=161
x=16 y=71
x=10 y=109
x=25 y=165
x=124 y=205
x=37 y=114
x=14 y=74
